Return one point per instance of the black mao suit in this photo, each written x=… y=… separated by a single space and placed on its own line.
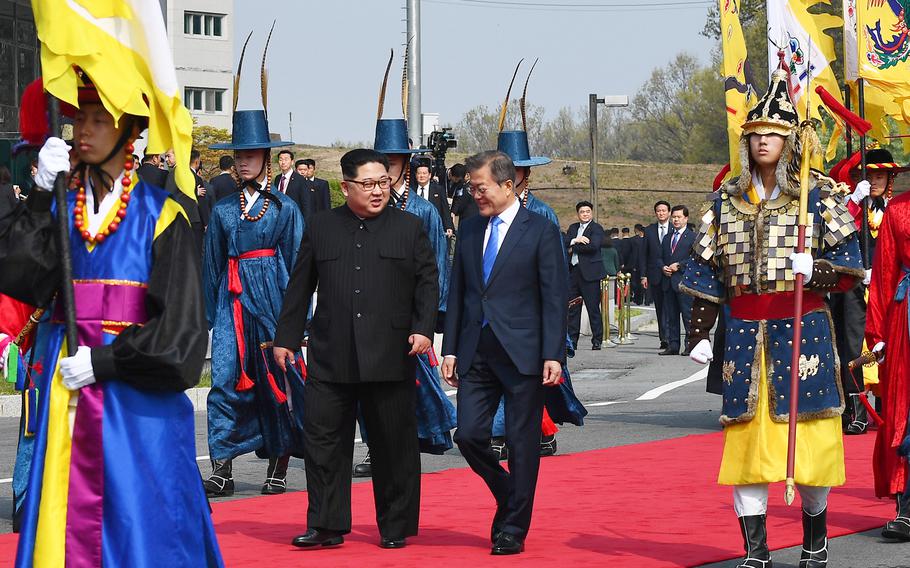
x=501 y=332
x=378 y=284
x=584 y=280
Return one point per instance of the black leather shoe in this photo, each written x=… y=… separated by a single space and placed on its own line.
x=507 y=544
x=364 y=468
x=392 y=542
x=669 y=351
x=496 y=528
x=685 y=353
x=316 y=537
x=663 y=345
x=595 y=347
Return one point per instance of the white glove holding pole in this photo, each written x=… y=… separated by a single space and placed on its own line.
x=77 y=370
x=861 y=192
x=53 y=158
x=802 y=264
x=702 y=352
x=867 y=276
x=879 y=351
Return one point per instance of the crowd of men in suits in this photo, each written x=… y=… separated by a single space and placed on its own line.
x=655 y=256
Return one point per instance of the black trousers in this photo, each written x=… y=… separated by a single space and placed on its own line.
x=493 y=375
x=655 y=286
x=848 y=311
x=390 y=415
x=676 y=305
x=590 y=293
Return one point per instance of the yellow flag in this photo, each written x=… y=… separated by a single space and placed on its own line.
x=122 y=45
x=738 y=88
x=883 y=41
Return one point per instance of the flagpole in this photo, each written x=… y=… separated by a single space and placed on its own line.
x=849 y=129
x=863 y=236
x=67 y=293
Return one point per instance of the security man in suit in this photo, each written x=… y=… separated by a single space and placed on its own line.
x=651 y=266
x=376 y=309
x=505 y=335
x=224 y=183
x=292 y=184
x=586 y=269
x=321 y=197
x=675 y=253
x=425 y=187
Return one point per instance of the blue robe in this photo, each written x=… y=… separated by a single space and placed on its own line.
x=252 y=420
x=436 y=417
x=561 y=403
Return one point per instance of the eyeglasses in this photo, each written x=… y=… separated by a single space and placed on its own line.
x=370 y=185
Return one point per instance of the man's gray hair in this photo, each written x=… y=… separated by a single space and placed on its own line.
x=501 y=166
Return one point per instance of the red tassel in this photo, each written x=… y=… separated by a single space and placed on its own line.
x=860 y=125
x=33 y=114
x=547 y=426
x=280 y=397
x=302 y=366
x=245 y=383
x=719 y=179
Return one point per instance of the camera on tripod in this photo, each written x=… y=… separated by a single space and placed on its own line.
x=440 y=141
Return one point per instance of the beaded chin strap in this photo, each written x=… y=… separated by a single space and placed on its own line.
x=524 y=199
x=403 y=200
x=241 y=188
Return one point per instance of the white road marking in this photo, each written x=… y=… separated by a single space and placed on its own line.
x=608 y=403
x=656 y=392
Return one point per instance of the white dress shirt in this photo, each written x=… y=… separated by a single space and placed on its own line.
x=662 y=230
x=507 y=217
x=287 y=181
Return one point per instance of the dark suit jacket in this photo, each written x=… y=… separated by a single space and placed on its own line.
x=221 y=186
x=320 y=188
x=590 y=259
x=681 y=254
x=632 y=262
x=650 y=263
x=464 y=207
x=152 y=175
x=525 y=300
x=377 y=286
x=298 y=189
x=437 y=196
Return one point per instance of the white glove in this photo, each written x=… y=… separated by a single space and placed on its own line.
x=867 y=276
x=879 y=351
x=802 y=264
x=5 y=342
x=53 y=158
x=77 y=370
x=702 y=352
x=861 y=192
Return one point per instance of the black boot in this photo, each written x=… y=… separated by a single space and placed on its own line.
x=275 y=477
x=859 y=418
x=547 y=445
x=365 y=467
x=899 y=528
x=221 y=482
x=815 y=540
x=499 y=448
x=755 y=541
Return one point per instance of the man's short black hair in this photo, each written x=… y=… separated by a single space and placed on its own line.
x=661 y=202
x=614 y=231
x=639 y=227
x=194 y=155
x=625 y=230
x=309 y=162
x=501 y=166
x=286 y=151
x=583 y=203
x=683 y=208
x=226 y=163
x=351 y=162
x=458 y=170
x=299 y=163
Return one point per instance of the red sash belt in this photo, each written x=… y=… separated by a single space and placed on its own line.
x=778 y=305
x=245 y=383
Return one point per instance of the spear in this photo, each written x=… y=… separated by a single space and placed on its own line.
x=67 y=293
x=806 y=136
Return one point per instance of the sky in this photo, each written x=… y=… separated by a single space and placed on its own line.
x=327 y=57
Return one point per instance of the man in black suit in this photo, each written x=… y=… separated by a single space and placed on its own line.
x=434 y=193
x=675 y=253
x=292 y=184
x=637 y=245
x=378 y=298
x=463 y=205
x=505 y=335
x=319 y=187
x=651 y=265
x=150 y=172
x=224 y=183
x=586 y=269
x=190 y=206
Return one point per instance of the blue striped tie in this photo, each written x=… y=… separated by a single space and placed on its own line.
x=489 y=253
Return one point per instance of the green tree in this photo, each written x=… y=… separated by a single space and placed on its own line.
x=203 y=137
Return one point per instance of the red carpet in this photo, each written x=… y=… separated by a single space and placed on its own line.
x=643 y=505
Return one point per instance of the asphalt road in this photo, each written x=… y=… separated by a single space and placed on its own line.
x=609 y=382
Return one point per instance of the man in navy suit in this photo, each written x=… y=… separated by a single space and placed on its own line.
x=651 y=266
x=504 y=335
x=675 y=253
x=586 y=269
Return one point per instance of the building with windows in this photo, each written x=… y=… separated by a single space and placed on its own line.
x=201 y=33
